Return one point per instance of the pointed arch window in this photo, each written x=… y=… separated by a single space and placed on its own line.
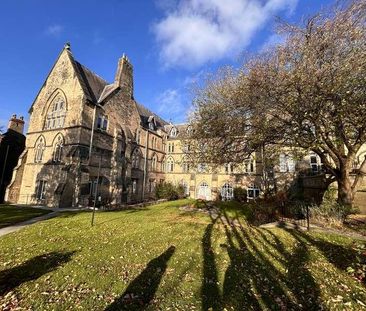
x=38 y=157
x=138 y=136
x=170 y=165
x=163 y=166
x=57 y=152
x=56 y=114
x=135 y=159
x=185 y=165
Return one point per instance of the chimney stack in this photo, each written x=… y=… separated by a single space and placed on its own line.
x=16 y=124
x=124 y=75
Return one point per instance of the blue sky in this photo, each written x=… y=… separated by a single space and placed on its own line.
x=170 y=43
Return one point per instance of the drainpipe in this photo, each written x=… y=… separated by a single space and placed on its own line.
x=145 y=165
x=92 y=133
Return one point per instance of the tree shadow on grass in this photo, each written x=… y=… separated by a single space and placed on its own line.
x=340 y=256
x=142 y=289
x=32 y=269
x=210 y=292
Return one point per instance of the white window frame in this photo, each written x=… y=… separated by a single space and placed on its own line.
x=227 y=192
x=255 y=190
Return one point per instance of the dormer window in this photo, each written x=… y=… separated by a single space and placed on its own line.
x=102 y=122
x=151 y=122
x=173 y=132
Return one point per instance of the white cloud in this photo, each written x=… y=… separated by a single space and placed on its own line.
x=54 y=30
x=199 y=31
x=170 y=105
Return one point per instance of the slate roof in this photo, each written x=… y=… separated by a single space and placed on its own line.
x=146 y=113
x=181 y=130
x=92 y=84
x=96 y=89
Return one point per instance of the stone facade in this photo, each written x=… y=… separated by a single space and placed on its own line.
x=90 y=141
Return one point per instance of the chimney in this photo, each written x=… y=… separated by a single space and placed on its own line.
x=16 y=124
x=124 y=76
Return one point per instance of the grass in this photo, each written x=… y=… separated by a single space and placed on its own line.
x=163 y=258
x=10 y=215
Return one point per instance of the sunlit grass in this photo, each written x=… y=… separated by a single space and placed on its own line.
x=162 y=258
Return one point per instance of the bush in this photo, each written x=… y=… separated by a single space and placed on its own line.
x=260 y=212
x=167 y=190
x=240 y=194
x=331 y=211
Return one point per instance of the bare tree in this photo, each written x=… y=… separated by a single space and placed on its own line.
x=308 y=93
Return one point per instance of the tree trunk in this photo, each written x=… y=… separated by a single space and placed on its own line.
x=345 y=193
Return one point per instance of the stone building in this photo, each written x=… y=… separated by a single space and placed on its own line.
x=12 y=144
x=89 y=140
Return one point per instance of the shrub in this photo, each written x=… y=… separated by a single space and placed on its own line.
x=331 y=211
x=240 y=194
x=167 y=190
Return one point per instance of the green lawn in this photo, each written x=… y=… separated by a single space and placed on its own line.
x=162 y=258
x=10 y=215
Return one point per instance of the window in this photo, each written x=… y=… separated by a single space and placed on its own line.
x=249 y=166
x=184 y=184
x=154 y=160
x=163 y=165
x=57 y=152
x=56 y=114
x=227 y=192
x=134 y=186
x=138 y=136
x=154 y=142
x=314 y=164
x=135 y=159
x=151 y=126
x=152 y=185
x=93 y=187
x=186 y=147
x=170 y=165
x=173 y=132
x=252 y=192
x=41 y=190
x=39 y=151
x=102 y=122
x=185 y=166
x=171 y=147
x=287 y=163
x=229 y=168
x=201 y=167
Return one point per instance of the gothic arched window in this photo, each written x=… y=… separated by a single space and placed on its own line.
x=56 y=114
x=135 y=159
x=170 y=165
